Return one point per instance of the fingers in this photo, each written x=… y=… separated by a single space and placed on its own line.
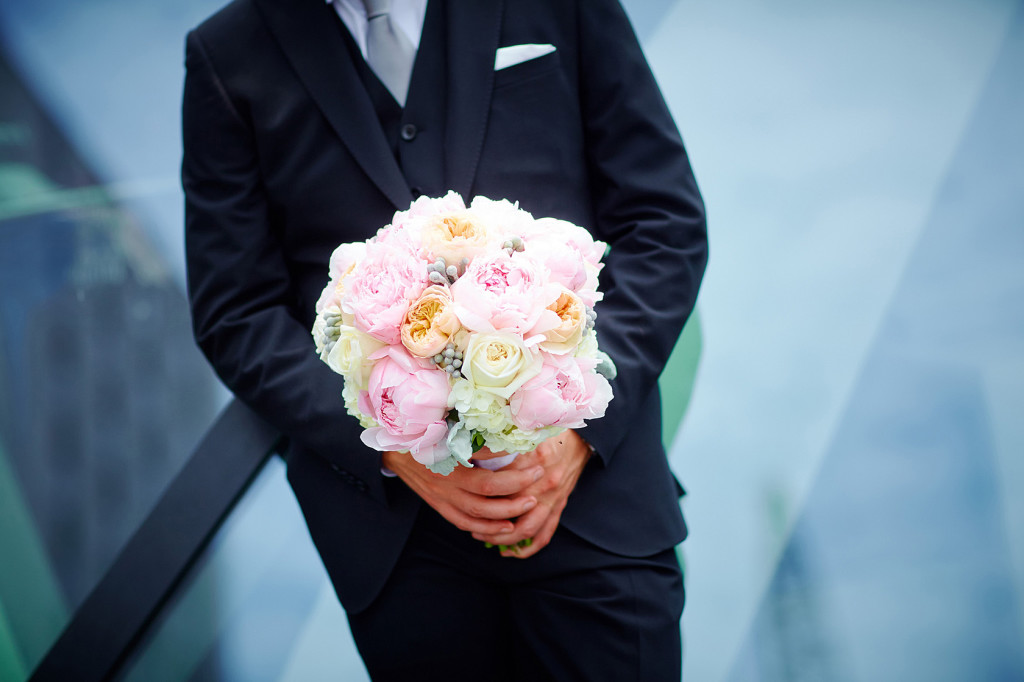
x=474 y=525
x=480 y=507
x=498 y=483
x=540 y=540
x=526 y=460
x=532 y=491
x=466 y=511
x=539 y=527
x=479 y=515
x=528 y=525
x=471 y=524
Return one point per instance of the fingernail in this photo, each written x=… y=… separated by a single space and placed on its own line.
x=537 y=473
x=530 y=504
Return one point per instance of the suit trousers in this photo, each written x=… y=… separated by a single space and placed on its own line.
x=455 y=610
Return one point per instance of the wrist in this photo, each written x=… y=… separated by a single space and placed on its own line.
x=390 y=461
x=587 y=447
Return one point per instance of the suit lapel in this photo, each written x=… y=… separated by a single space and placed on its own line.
x=307 y=32
x=473 y=31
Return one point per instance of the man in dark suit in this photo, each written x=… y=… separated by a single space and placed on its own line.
x=292 y=146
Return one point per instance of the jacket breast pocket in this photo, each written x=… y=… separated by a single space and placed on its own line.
x=526 y=71
x=533 y=148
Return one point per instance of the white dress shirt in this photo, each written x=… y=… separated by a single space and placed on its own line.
x=406 y=16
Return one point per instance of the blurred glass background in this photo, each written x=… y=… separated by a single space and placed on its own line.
x=854 y=446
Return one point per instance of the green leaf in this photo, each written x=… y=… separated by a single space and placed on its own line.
x=445 y=466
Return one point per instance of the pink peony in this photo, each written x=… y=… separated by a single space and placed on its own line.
x=380 y=289
x=345 y=258
x=562 y=231
x=410 y=222
x=408 y=397
x=571 y=255
x=562 y=259
x=330 y=297
x=506 y=293
x=397 y=238
x=565 y=393
x=343 y=263
x=504 y=217
x=430 y=206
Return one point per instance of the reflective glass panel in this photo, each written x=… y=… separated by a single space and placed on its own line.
x=853 y=446
x=102 y=392
x=258 y=606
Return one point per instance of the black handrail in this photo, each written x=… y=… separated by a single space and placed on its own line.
x=110 y=623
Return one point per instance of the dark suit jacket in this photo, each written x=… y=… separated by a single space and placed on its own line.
x=284 y=159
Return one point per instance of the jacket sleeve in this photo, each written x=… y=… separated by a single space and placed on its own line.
x=240 y=289
x=648 y=209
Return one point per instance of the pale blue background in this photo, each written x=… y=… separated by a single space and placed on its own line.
x=854 y=449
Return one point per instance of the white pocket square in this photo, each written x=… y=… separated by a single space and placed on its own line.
x=517 y=54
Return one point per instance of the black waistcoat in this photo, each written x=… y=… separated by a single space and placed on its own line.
x=415 y=134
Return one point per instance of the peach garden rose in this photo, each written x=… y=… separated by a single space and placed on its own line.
x=430 y=322
x=455 y=235
x=572 y=322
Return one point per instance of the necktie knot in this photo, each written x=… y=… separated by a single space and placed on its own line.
x=377 y=8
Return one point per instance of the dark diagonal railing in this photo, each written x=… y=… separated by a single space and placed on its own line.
x=105 y=629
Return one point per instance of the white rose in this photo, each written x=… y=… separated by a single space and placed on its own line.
x=348 y=356
x=588 y=346
x=499 y=363
x=350 y=394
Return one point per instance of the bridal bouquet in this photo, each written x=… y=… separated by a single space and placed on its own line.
x=457 y=327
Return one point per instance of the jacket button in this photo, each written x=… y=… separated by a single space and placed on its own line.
x=409 y=132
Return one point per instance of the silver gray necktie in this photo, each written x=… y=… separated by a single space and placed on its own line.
x=388 y=52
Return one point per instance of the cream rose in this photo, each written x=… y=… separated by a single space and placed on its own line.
x=350 y=394
x=455 y=235
x=430 y=322
x=588 y=346
x=572 y=322
x=348 y=356
x=499 y=363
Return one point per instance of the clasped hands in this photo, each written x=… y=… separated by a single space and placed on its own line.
x=523 y=500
